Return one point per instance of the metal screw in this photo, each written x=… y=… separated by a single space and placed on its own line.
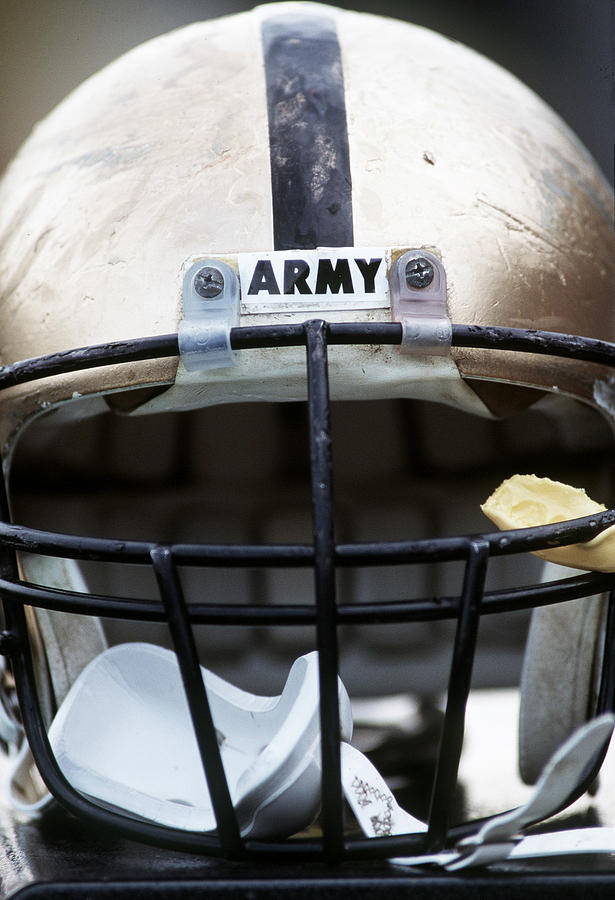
x=419 y=273
x=209 y=282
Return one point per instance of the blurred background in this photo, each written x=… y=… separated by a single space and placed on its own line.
x=564 y=49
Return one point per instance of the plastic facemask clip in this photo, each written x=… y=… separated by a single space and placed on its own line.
x=418 y=302
x=211 y=308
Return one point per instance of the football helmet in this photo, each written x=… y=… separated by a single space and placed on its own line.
x=245 y=218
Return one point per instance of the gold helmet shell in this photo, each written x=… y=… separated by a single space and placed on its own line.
x=166 y=154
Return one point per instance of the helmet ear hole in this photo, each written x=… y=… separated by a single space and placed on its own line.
x=561 y=674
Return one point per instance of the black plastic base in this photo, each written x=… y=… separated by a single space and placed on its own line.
x=334 y=888
x=60 y=858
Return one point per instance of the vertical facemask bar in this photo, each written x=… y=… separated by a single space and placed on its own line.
x=9 y=572
x=460 y=678
x=8 y=560
x=47 y=764
x=605 y=702
x=15 y=644
x=183 y=640
x=606 y=691
x=324 y=583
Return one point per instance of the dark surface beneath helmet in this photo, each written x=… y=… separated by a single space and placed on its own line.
x=60 y=857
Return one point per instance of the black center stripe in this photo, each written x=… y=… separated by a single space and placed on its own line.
x=308 y=134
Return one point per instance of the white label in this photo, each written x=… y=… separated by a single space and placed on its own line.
x=310 y=280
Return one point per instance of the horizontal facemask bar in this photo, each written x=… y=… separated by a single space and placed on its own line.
x=263 y=336
x=324 y=557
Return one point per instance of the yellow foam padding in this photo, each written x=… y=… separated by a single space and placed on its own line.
x=524 y=501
